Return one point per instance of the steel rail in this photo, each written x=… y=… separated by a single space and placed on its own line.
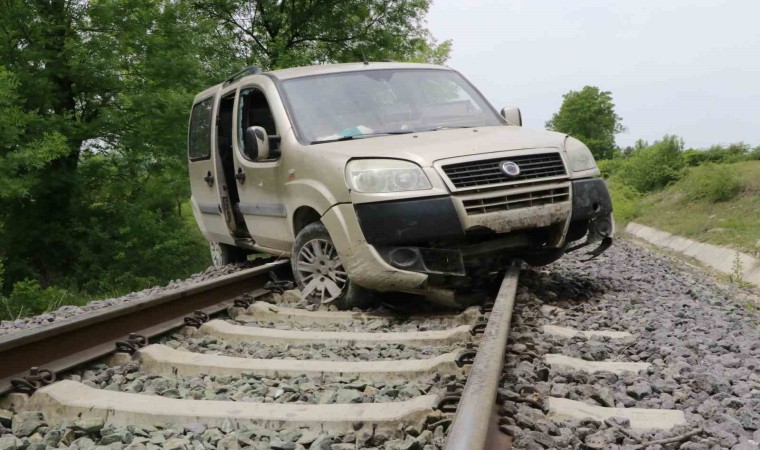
x=65 y=344
x=473 y=424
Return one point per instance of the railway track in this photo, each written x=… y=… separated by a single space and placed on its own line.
x=228 y=364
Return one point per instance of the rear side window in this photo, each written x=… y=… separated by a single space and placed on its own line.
x=199 y=142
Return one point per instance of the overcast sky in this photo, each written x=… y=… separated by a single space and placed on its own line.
x=684 y=67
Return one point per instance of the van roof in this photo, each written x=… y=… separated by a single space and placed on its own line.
x=305 y=71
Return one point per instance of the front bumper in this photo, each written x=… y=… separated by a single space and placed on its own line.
x=390 y=245
x=591 y=199
x=402 y=222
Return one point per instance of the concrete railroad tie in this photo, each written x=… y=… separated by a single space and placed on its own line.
x=641 y=419
x=581 y=365
x=554 y=330
x=66 y=399
x=264 y=311
x=162 y=360
x=242 y=334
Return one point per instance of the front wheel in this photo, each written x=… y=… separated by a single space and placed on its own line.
x=319 y=272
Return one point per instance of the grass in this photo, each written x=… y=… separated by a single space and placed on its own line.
x=734 y=223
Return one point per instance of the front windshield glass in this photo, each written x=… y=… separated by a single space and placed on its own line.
x=378 y=102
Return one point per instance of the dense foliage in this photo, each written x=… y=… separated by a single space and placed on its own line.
x=720 y=154
x=589 y=115
x=694 y=175
x=275 y=33
x=94 y=98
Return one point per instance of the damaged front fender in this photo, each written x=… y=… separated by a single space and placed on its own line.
x=602 y=230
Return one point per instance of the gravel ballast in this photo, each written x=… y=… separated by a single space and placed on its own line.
x=701 y=339
x=371 y=326
x=254 y=388
x=310 y=351
x=29 y=431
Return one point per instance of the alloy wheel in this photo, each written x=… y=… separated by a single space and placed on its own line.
x=321 y=273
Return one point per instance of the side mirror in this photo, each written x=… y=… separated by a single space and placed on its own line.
x=512 y=115
x=256 y=143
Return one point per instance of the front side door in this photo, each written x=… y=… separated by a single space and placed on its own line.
x=205 y=183
x=260 y=183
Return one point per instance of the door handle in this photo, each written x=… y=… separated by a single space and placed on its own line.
x=209 y=179
x=240 y=176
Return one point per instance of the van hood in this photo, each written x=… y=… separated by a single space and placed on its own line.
x=426 y=148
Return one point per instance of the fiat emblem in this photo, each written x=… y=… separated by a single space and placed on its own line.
x=510 y=169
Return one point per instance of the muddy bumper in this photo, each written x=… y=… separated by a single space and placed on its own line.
x=401 y=230
x=408 y=234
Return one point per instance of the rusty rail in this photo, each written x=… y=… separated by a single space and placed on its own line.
x=474 y=427
x=63 y=345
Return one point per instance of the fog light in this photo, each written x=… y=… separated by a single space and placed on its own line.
x=404 y=257
x=602 y=226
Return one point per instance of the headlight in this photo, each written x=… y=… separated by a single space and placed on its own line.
x=580 y=156
x=385 y=175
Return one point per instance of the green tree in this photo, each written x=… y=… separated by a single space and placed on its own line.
x=28 y=152
x=102 y=91
x=589 y=115
x=25 y=150
x=275 y=34
x=63 y=83
x=94 y=98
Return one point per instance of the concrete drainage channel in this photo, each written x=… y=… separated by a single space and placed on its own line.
x=271 y=374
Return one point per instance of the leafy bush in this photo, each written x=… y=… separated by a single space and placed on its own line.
x=129 y=239
x=609 y=167
x=653 y=167
x=693 y=157
x=711 y=182
x=717 y=154
x=754 y=155
x=29 y=298
x=626 y=202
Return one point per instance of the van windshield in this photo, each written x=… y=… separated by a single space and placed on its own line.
x=341 y=106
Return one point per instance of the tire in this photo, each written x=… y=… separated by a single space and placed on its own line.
x=223 y=254
x=319 y=273
x=544 y=259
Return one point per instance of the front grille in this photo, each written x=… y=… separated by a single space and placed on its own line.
x=488 y=172
x=510 y=202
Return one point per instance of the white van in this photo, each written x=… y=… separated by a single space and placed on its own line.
x=385 y=177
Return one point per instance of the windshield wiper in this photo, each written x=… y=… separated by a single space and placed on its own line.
x=338 y=139
x=448 y=127
x=362 y=136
